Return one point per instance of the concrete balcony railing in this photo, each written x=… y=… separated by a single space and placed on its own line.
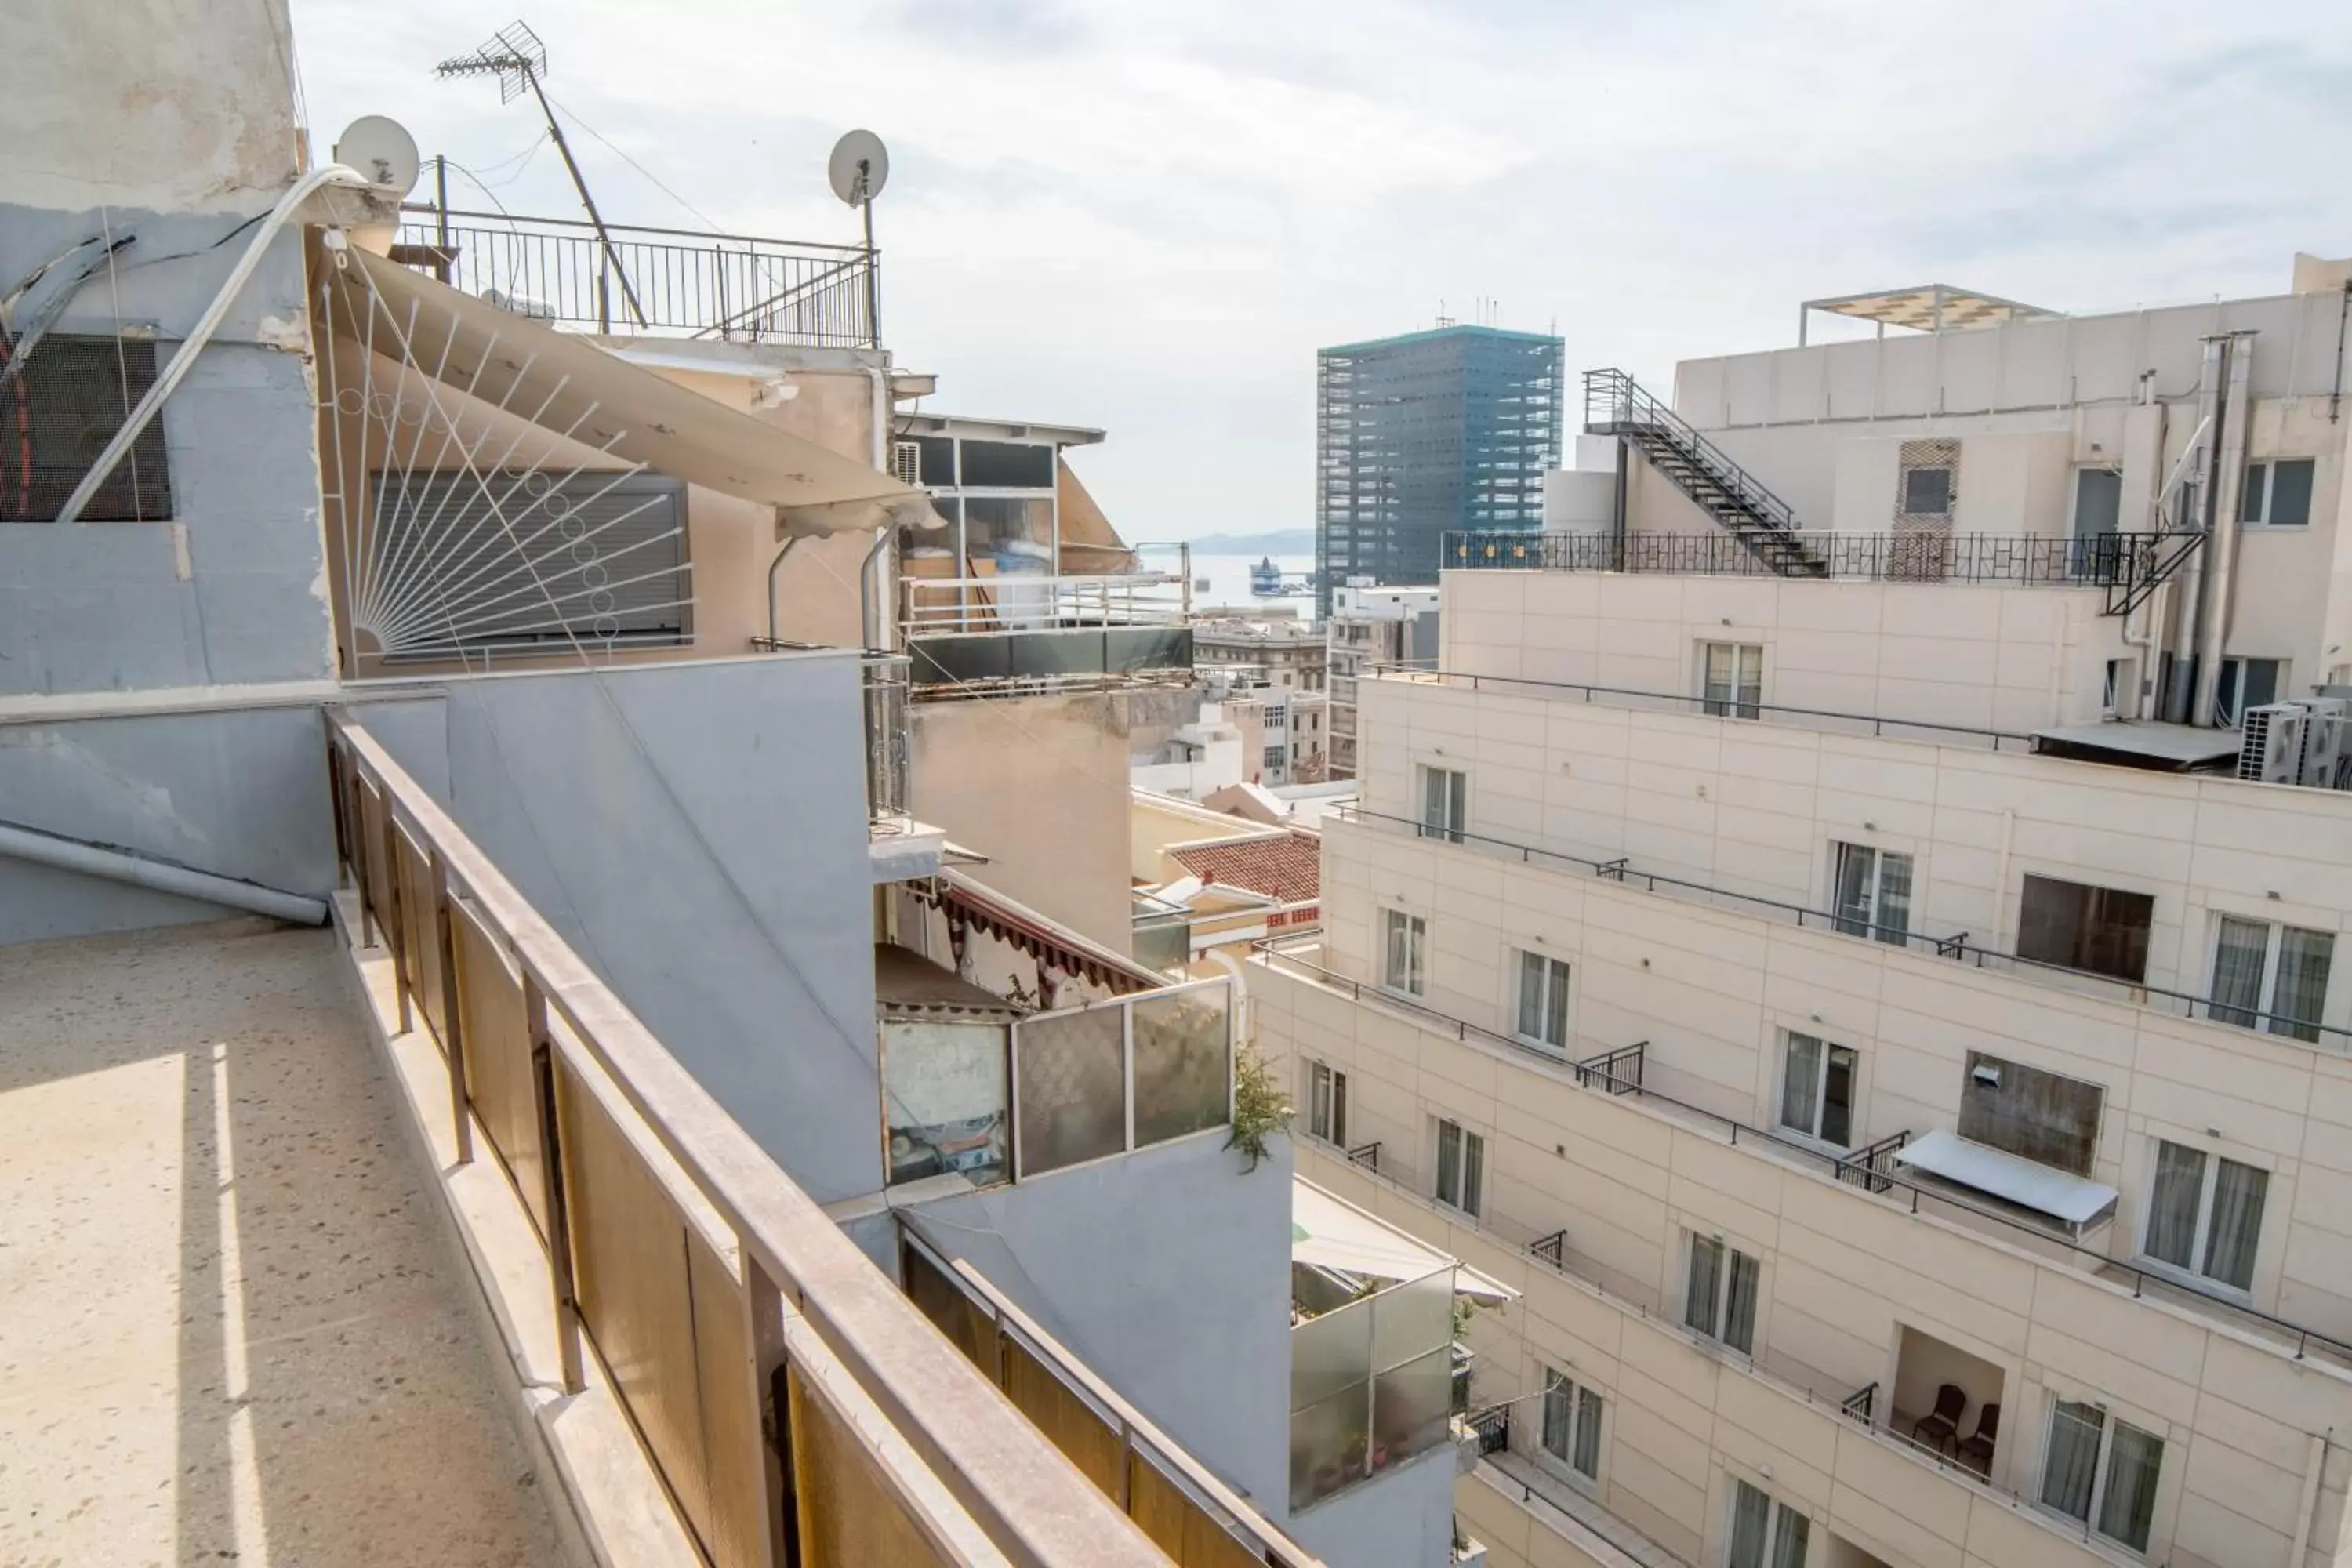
x=780 y=1386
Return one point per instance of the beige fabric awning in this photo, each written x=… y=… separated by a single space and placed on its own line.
x=569 y=385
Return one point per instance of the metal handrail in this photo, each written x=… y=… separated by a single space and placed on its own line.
x=1703 y=705
x=1018 y=601
x=1847 y=1169
x=1861 y=1404
x=2096 y=560
x=1957 y=948
x=1365 y=1154
x=964 y=1435
x=1628 y=403
x=672 y=281
x=1493 y=1425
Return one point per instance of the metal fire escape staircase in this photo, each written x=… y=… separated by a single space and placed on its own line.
x=1615 y=404
x=2143 y=563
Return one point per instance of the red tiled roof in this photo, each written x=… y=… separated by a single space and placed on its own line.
x=1286 y=867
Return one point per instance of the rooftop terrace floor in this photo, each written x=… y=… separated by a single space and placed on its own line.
x=230 y=1330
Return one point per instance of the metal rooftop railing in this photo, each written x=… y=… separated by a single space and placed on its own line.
x=659 y=282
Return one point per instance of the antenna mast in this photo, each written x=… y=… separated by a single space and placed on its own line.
x=519 y=60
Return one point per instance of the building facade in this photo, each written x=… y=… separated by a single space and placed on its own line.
x=1912 y=1121
x=1371 y=625
x=1425 y=433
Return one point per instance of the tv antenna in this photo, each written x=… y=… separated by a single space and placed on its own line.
x=516 y=58
x=858 y=169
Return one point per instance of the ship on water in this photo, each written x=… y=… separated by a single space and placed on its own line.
x=1265 y=579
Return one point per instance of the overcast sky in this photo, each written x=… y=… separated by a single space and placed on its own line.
x=1147 y=217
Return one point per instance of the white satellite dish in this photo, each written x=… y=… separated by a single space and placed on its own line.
x=384 y=153
x=859 y=168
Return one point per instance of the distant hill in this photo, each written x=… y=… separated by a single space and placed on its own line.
x=1276 y=541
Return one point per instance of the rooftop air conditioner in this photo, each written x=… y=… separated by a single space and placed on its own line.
x=2327 y=750
x=2272 y=749
x=906 y=462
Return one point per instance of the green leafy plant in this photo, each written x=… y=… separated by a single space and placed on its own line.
x=1260 y=1107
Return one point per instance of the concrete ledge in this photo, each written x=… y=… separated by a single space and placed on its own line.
x=613 y=1510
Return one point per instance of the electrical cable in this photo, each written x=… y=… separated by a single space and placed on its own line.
x=711 y=222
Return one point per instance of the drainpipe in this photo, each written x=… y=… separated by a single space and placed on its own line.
x=779 y=561
x=874 y=609
x=158 y=876
x=2179 y=690
x=2312 y=1468
x=2222 y=548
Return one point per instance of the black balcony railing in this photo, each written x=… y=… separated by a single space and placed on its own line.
x=1493 y=1425
x=1367 y=1155
x=1880 y=1178
x=1958 y=948
x=1550 y=1248
x=658 y=281
x=2096 y=560
x=1618 y=1071
x=1871 y=1167
x=1861 y=1404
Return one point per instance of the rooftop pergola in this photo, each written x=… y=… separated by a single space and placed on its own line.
x=1928 y=307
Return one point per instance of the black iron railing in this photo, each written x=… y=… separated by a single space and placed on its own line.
x=1841 y=722
x=663 y=281
x=1551 y=1250
x=1882 y=1180
x=1861 y=1404
x=1618 y=1071
x=1614 y=402
x=1957 y=948
x=1493 y=1425
x=2098 y=560
x=1367 y=1155
x=1871 y=1167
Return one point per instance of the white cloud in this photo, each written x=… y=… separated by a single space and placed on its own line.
x=1148 y=217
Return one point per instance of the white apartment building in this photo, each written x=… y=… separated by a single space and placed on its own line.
x=1918 y=1114
x=1371 y=625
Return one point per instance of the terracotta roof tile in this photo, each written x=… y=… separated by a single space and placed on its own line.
x=1287 y=868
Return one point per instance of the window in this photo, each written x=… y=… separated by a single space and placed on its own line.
x=2119 y=691
x=1461 y=1168
x=1007 y=465
x=1571 y=1425
x=1543 y=1000
x=1327 y=1103
x=2205 y=1214
x=1764 y=1533
x=1732 y=679
x=1273 y=755
x=1719 y=1297
x=60 y=412
x=2246 y=683
x=1408 y=940
x=2036 y=1115
x=2271 y=977
x=2101 y=1472
x=1444 y=803
x=1872 y=892
x=1927 y=492
x=2098 y=502
x=2077 y=926
x=1817 y=1089
x=2277 y=493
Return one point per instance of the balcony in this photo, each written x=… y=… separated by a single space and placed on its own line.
x=998 y=634
x=651 y=282
x=2101 y=561
x=645 y=1247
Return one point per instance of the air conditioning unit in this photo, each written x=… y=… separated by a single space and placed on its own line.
x=906 y=462
x=2327 y=751
x=2272 y=749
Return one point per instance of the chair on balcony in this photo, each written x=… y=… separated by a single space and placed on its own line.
x=1943 y=1427
x=1976 y=1448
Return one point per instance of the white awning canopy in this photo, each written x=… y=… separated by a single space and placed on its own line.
x=563 y=383
x=1327 y=1232
x=2009 y=1177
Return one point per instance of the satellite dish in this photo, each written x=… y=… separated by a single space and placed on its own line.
x=384 y=153
x=859 y=167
